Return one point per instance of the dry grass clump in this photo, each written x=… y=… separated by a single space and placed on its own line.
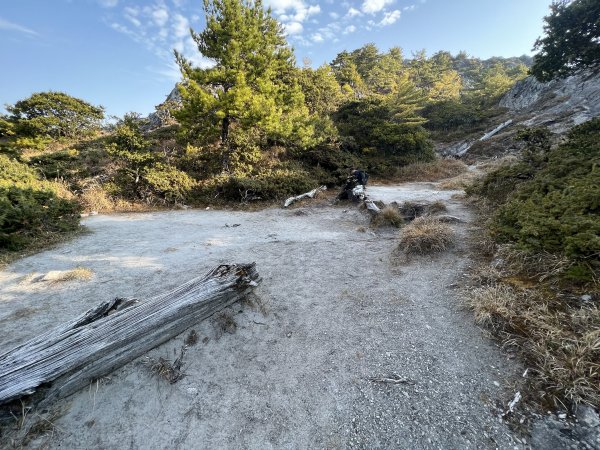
x=163 y=368
x=559 y=339
x=426 y=235
x=388 y=217
x=77 y=274
x=431 y=171
x=97 y=199
x=541 y=266
x=411 y=210
x=226 y=323
x=462 y=181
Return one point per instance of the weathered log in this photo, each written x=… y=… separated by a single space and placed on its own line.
x=114 y=333
x=310 y=194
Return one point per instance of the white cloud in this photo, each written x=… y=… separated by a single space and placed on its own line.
x=293 y=10
x=160 y=16
x=390 y=17
x=317 y=37
x=334 y=15
x=11 y=26
x=293 y=28
x=409 y=8
x=181 y=26
x=349 y=29
x=374 y=6
x=353 y=12
x=108 y=3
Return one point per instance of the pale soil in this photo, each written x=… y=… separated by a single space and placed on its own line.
x=337 y=306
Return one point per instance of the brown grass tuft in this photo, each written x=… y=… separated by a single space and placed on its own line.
x=163 y=368
x=426 y=235
x=559 y=340
x=388 y=217
x=226 y=323
x=77 y=274
x=432 y=171
x=462 y=181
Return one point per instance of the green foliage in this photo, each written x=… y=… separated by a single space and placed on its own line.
x=54 y=114
x=7 y=128
x=272 y=184
x=495 y=82
x=388 y=126
x=452 y=119
x=168 y=182
x=31 y=208
x=27 y=215
x=253 y=84
x=129 y=146
x=551 y=202
x=571 y=41
x=61 y=165
x=322 y=93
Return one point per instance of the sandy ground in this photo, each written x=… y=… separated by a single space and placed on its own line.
x=335 y=308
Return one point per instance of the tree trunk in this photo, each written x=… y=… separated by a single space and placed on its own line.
x=225 y=143
x=114 y=333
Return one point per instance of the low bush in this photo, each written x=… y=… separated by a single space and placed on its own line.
x=272 y=184
x=556 y=207
x=27 y=215
x=32 y=209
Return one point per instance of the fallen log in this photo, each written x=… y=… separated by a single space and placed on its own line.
x=310 y=194
x=114 y=333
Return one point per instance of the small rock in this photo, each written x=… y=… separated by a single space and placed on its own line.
x=586 y=298
x=192 y=391
x=587 y=416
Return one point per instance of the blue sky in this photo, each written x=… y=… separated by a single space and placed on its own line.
x=118 y=53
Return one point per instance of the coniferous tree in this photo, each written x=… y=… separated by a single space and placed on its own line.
x=252 y=85
x=572 y=39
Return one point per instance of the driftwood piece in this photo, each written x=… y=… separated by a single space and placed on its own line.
x=114 y=333
x=372 y=207
x=310 y=194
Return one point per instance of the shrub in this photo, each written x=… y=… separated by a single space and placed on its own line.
x=272 y=184
x=167 y=182
x=27 y=215
x=426 y=235
x=557 y=209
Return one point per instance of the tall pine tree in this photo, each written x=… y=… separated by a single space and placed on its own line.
x=252 y=85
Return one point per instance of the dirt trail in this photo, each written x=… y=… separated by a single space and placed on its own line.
x=338 y=309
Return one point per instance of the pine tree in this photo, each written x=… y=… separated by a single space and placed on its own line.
x=572 y=39
x=252 y=85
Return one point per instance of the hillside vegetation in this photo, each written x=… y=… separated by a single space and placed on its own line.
x=254 y=127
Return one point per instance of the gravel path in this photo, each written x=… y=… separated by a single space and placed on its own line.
x=336 y=308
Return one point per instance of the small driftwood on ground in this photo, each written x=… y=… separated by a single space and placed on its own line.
x=68 y=358
x=310 y=194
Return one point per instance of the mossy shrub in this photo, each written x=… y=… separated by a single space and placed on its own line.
x=556 y=206
x=27 y=215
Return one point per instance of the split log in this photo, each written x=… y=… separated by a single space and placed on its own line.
x=114 y=333
x=310 y=194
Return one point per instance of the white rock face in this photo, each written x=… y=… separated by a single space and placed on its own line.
x=559 y=104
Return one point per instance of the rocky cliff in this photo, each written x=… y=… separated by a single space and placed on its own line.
x=559 y=104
